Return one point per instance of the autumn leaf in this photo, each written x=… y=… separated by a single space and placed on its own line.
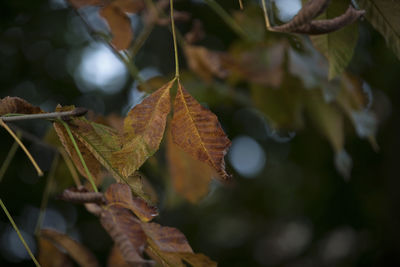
x=144 y=128
x=77 y=251
x=190 y=177
x=92 y=163
x=120 y=26
x=123 y=227
x=384 y=16
x=337 y=47
x=51 y=256
x=12 y=105
x=198 y=132
x=170 y=246
x=121 y=194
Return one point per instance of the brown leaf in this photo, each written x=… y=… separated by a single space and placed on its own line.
x=308 y=12
x=144 y=128
x=17 y=105
x=91 y=162
x=50 y=256
x=81 y=195
x=190 y=177
x=77 y=251
x=120 y=26
x=168 y=245
x=121 y=194
x=126 y=232
x=167 y=239
x=204 y=62
x=197 y=131
x=331 y=25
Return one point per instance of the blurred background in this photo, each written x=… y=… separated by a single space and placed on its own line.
x=297 y=198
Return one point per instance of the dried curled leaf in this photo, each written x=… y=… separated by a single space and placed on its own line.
x=17 y=105
x=190 y=177
x=81 y=195
x=76 y=250
x=303 y=22
x=307 y=13
x=331 y=25
x=197 y=131
x=144 y=128
x=121 y=194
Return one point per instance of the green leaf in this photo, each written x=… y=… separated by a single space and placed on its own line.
x=337 y=47
x=384 y=16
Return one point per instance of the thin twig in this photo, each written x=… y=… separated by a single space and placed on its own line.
x=241 y=4
x=51 y=115
x=46 y=193
x=89 y=175
x=267 y=23
x=19 y=233
x=9 y=158
x=5 y=126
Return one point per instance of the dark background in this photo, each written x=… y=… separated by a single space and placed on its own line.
x=297 y=210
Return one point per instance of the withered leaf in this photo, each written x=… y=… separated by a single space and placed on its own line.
x=168 y=245
x=204 y=62
x=120 y=26
x=198 y=132
x=308 y=12
x=144 y=128
x=82 y=195
x=51 y=256
x=126 y=232
x=91 y=162
x=121 y=194
x=17 y=105
x=76 y=250
x=330 y=25
x=190 y=177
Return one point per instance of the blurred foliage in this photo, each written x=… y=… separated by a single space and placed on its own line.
x=297 y=210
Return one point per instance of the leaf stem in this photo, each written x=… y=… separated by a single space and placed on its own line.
x=5 y=126
x=171 y=3
x=70 y=167
x=46 y=193
x=9 y=158
x=19 y=233
x=89 y=175
x=264 y=6
x=51 y=115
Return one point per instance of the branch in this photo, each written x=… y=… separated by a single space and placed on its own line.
x=51 y=115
